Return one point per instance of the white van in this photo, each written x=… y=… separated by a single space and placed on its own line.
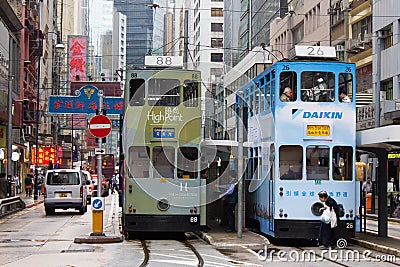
x=65 y=189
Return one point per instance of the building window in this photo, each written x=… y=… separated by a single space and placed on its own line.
x=217 y=42
x=387 y=87
x=217 y=57
x=362 y=27
x=217 y=12
x=217 y=27
x=216 y=71
x=388 y=39
x=298 y=33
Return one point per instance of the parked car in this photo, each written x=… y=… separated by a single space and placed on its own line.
x=64 y=189
x=104 y=186
x=89 y=186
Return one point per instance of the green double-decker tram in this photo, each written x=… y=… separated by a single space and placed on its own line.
x=161 y=140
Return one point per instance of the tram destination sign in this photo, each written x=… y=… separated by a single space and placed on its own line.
x=318 y=130
x=163 y=61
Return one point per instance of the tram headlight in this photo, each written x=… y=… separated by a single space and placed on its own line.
x=163 y=204
x=316 y=208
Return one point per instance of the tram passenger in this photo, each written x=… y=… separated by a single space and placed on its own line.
x=343 y=97
x=326 y=236
x=286 y=95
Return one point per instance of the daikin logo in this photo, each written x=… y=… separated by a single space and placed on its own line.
x=335 y=115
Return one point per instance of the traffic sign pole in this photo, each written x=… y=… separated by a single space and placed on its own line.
x=97 y=215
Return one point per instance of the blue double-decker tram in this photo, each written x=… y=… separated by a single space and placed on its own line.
x=301 y=127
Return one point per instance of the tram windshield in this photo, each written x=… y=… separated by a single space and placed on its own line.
x=317 y=86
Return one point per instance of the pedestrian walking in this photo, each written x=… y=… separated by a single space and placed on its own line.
x=3 y=185
x=28 y=185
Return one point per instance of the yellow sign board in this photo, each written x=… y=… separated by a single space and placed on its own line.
x=318 y=130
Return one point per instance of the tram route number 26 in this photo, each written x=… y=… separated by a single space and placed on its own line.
x=350 y=225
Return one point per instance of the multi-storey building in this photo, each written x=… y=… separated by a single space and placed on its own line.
x=144 y=28
x=206 y=40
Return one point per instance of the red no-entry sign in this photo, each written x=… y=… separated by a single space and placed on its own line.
x=100 y=126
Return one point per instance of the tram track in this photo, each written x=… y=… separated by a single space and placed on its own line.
x=147 y=250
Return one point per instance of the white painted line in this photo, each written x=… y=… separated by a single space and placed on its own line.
x=99 y=126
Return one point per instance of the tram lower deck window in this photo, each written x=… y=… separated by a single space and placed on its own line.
x=342 y=163
x=138 y=161
x=317 y=163
x=290 y=162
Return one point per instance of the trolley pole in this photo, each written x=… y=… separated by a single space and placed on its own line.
x=240 y=170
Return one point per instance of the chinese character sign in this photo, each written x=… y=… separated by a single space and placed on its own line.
x=77 y=50
x=85 y=101
x=45 y=155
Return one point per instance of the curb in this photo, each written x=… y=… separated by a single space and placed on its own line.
x=33 y=204
x=98 y=239
x=380 y=248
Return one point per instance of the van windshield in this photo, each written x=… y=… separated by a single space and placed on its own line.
x=63 y=178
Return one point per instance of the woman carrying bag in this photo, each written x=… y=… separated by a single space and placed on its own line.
x=329 y=221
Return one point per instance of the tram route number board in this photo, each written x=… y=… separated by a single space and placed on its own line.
x=318 y=130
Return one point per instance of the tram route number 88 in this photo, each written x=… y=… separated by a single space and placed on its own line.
x=193 y=219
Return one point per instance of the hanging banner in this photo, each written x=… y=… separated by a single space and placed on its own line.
x=77 y=57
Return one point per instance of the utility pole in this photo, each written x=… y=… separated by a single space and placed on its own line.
x=9 y=132
x=99 y=157
x=35 y=186
x=240 y=168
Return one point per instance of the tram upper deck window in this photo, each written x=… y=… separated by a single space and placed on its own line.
x=139 y=161
x=346 y=86
x=290 y=162
x=163 y=92
x=317 y=164
x=163 y=162
x=136 y=92
x=190 y=93
x=188 y=162
x=317 y=86
x=342 y=163
x=288 y=86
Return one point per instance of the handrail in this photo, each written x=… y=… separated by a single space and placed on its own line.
x=11 y=204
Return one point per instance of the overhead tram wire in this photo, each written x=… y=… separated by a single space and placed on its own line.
x=261 y=12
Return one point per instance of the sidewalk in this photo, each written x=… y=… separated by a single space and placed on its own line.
x=218 y=238
x=29 y=201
